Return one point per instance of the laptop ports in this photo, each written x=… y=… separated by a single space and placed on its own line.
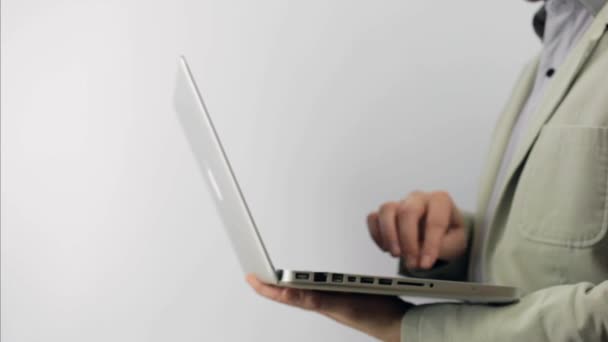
x=337 y=278
x=385 y=281
x=352 y=279
x=302 y=276
x=367 y=280
x=320 y=277
x=409 y=283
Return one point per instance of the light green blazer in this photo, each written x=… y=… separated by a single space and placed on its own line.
x=549 y=235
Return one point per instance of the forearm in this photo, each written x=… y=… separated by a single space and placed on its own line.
x=388 y=331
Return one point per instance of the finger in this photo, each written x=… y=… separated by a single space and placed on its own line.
x=374 y=230
x=437 y=222
x=305 y=299
x=265 y=290
x=411 y=212
x=388 y=227
x=457 y=219
x=452 y=244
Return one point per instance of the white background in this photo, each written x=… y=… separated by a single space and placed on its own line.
x=326 y=108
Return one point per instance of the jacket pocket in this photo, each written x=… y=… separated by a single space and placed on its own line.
x=561 y=197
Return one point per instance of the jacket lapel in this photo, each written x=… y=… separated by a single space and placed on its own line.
x=556 y=92
x=501 y=134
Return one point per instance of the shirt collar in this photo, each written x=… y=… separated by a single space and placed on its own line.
x=593 y=6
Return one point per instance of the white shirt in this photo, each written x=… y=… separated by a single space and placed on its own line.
x=566 y=22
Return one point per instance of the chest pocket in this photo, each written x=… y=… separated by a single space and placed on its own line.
x=561 y=195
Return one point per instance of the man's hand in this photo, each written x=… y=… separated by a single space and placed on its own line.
x=422 y=228
x=378 y=316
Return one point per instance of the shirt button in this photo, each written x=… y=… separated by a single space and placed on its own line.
x=550 y=72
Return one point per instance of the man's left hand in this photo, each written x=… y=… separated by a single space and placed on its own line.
x=375 y=315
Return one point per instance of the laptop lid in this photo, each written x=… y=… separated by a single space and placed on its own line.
x=215 y=167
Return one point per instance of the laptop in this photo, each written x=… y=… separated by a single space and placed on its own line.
x=246 y=239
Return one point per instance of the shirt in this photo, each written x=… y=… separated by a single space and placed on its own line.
x=562 y=23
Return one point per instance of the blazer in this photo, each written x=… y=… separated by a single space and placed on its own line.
x=549 y=233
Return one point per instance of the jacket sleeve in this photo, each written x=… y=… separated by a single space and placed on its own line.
x=576 y=312
x=454 y=270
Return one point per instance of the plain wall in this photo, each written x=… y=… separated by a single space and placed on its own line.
x=326 y=108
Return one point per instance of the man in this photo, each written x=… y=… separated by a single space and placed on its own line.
x=542 y=219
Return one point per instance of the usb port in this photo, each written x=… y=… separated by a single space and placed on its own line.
x=385 y=281
x=302 y=276
x=352 y=279
x=320 y=277
x=337 y=278
x=367 y=280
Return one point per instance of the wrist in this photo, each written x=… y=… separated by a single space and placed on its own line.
x=391 y=331
x=398 y=325
x=377 y=316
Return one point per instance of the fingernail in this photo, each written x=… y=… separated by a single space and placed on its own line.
x=426 y=261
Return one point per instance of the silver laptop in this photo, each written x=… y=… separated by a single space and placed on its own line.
x=245 y=237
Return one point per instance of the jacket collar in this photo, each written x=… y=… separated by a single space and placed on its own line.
x=594 y=6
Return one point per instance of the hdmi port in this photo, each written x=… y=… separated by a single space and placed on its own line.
x=407 y=283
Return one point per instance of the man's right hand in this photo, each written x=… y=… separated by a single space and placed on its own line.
x=422 y=228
